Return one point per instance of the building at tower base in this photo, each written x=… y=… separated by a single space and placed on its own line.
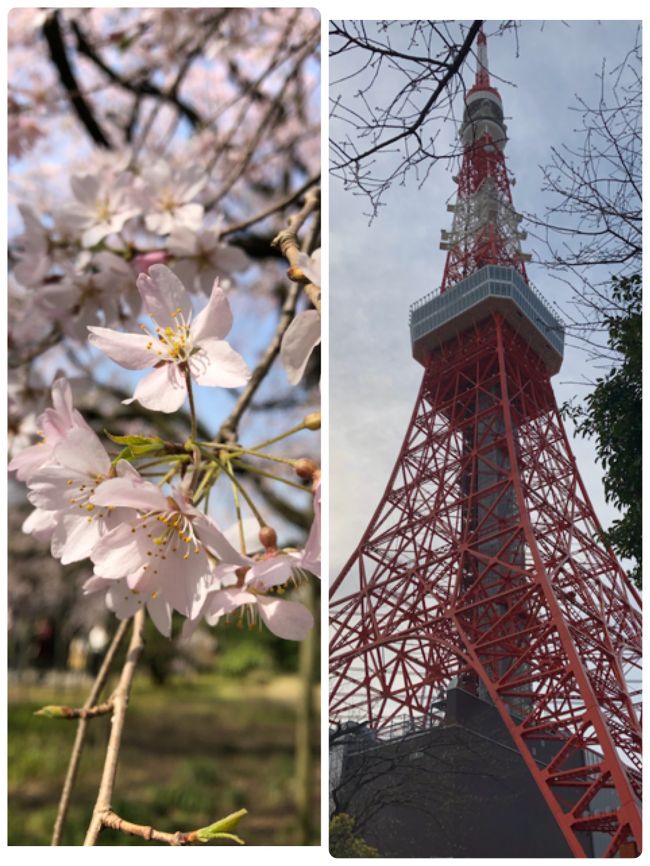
x=454 y=786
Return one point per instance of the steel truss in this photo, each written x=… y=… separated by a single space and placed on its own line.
x=483 y=566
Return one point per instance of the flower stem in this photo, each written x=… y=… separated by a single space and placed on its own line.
x=190 y=394
x=251 y=504
x=290 y=432
x=247 y=467
x=205 y=481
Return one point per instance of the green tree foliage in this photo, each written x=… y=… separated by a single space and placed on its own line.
x=612 y=415
x=344 y=842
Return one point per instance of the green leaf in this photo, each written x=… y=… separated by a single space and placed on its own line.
x=220 y=829
x=135 y=441
x=52 y=712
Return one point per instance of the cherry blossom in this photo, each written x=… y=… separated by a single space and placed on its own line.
x=102 y=205
x=63 y=488
x=32 y=250
x=168 y=197
x=54 y=423
x=177 y=343
x=304 y=333
x=164 y=546
x=199 y=257
x=124 y=602
x=103 y=291
x=22 y=133
x=286 y=619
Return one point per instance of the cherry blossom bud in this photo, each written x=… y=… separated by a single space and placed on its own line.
x=312 y=421
x=297 y=275
x=305 y=468
x=268 y=537
x=143 y=262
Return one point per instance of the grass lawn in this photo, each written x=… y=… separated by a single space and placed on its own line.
x=193 y=751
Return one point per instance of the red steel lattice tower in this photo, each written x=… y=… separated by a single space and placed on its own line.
x=483 y=568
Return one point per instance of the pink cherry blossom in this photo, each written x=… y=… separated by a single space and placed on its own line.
x=124 y=602
x=289 y=620
x=200 y=256
x=177 y=343
x=299 y=341
x=55 y=423
x=168 y=196
x=22 y=133
x=63 y=489
x=165 y=545
x=103 y=204
x=32 y=250
x=102 y=290
x=142 y=262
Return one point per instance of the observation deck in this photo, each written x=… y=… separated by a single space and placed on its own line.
x=437 y=318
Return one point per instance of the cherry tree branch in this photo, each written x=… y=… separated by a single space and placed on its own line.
x=274 y=208
x=140 y=88
x=70 y=713
x=80 y=738
x=120 y=701
x=287 y=240
x=219 y=830
x=59 y=57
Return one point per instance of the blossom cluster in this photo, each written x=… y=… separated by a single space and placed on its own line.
x=150 y=546
x=77 y=267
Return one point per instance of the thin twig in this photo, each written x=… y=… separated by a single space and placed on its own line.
x=110 y=819
x=287 y=240
x=278 y=206
x=228 y=430
x=121 y=701
x=70 y=713
x=80 y=738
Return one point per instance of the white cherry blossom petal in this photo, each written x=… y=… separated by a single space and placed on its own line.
x=132 y=351
x=160 y=612
x=289 y=620
x=163 y=390
x=130 y=493
x=120 y=553
x=299 y=341
x=163 y=294
x=41 y=524
x=82 y=452
x=310 y=266
x=75 y=538
x=215 y=540
x=217 y=364
x=224 y=601
x=271 y=572
x=215 y=319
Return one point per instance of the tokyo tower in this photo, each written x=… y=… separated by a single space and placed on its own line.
x=482 y=578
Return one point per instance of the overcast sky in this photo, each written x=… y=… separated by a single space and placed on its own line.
x=376 y=272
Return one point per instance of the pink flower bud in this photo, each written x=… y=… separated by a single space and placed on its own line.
x=143 y=262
